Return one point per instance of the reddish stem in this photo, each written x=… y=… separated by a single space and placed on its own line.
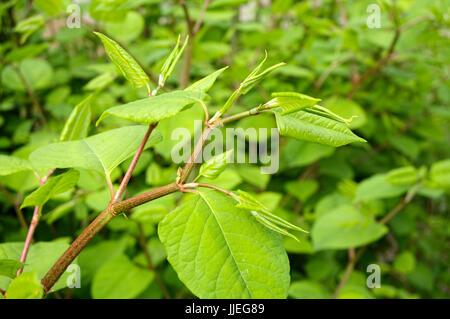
x=33 y=225
x=132 y=166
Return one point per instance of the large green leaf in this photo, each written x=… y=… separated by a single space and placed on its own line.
x=119 y=278
x=151 y=110
x=77 y=124
x=130 y=69
x=26 y=286
x=102 y=152
x=311 y=127
x=207 y=82
x=40 y=258
x=221 y=251
x=345 y=227
x=53 y=186
x=11 y=165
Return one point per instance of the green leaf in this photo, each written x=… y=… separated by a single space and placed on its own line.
x=307 y=289
x=405 y=262
x=402 y=176
x=26 y=286
x=440 y=173
x=77 y=124
x=119 y=278
x=93 y=257
x=100 y=82
x=111 y=10
x=51 y=7
x=36 y=72
x=207 y=82
x=151 y=110
x=10 y=165
x=130 y=69
x=127 y=30
x=172 y=60
x=219 y=251
x=216 y=165
x=303 y=189
x=377 y=187
x=310 y=127
x=53 y=186
x=28 y=26
x=9 y=267
x=102 y=152
x=290 y=101
x=41 y=257
x=345 y=227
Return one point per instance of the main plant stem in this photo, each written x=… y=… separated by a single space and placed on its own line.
x=86 y=236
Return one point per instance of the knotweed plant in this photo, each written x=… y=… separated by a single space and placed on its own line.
x=222 y=243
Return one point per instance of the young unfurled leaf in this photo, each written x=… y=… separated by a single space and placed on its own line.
x=207 y=82
x=11 y=164
x=263 y=215
x=290 y=101
x=216 y=165
x=26 y=286
x=171 y=61
x=155 y=109
x=403 y=176
x=102 y=152
x=311 y=127
x=130 y=69
x=77 y=124
x=9 y=267
x=53 y=186
x=250 y=81
x=254 y=78
x=219 y=251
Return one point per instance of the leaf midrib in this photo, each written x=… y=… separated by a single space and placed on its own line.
x=226 y=241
